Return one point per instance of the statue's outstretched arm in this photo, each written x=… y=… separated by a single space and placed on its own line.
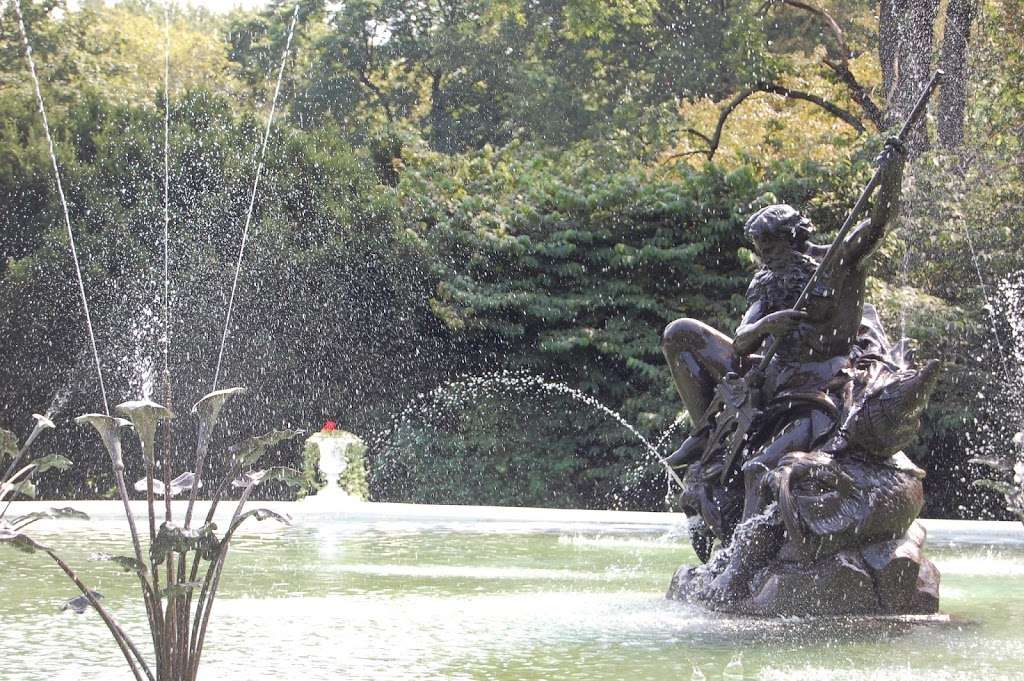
x=862 y=241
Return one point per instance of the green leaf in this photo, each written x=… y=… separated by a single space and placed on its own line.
x=261 y=514
x=25 y=488
x=289 y=476
x=1004 y=488
x=173 y=538
x=248 y=452
x=50 y=514
x=21 y=542
x=8 y=444
x=127 y=563
x=57 y=461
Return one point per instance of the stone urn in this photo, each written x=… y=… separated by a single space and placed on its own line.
x=334 y=465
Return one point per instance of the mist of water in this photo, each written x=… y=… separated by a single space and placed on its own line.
x=990 y=309
x=166 y=331
x=461 y=394
x=63 y=201
x=252 y=196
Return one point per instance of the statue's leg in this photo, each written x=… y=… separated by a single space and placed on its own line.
x=698 y=357
x=797 y=436
x=756 y=541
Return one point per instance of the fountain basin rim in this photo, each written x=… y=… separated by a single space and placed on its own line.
x=940 y=531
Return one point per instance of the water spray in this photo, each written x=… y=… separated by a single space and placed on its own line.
x=63 y=201
x=252 y=196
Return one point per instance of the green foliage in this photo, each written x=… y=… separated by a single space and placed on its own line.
x=458 y=70
x=462 y=187
x=571 y=265
x=321 y=245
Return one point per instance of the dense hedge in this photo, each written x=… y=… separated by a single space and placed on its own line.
x=569 y=267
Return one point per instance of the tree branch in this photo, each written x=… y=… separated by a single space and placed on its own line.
x=716 y=138
x=858 y=93
x=774 y=88
x=826 y=18
x=840 y=113
x=698 y=133
x=953 y=95
x=841 y=67
x=363 y=75
x=381 y=98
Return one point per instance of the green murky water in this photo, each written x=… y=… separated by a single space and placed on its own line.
x=413 y=594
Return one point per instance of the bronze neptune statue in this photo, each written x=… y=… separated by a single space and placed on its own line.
x=793 y=466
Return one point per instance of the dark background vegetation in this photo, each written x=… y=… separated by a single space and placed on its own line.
x=458 y=188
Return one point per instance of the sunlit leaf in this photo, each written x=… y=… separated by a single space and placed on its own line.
x=995 y=486
x=25 y=488
x=51 y=461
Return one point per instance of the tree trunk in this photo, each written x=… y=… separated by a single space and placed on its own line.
x=890 y=13
x=910 y=74
x=440 y=128
x=953 y=97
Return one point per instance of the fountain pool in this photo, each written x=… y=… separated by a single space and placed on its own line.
x=381 y=591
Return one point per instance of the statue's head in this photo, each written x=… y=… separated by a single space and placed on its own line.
x=776 y=226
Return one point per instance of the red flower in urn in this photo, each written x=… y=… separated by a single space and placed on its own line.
x=329 y=426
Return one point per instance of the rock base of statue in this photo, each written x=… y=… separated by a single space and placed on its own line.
x=888 y=577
